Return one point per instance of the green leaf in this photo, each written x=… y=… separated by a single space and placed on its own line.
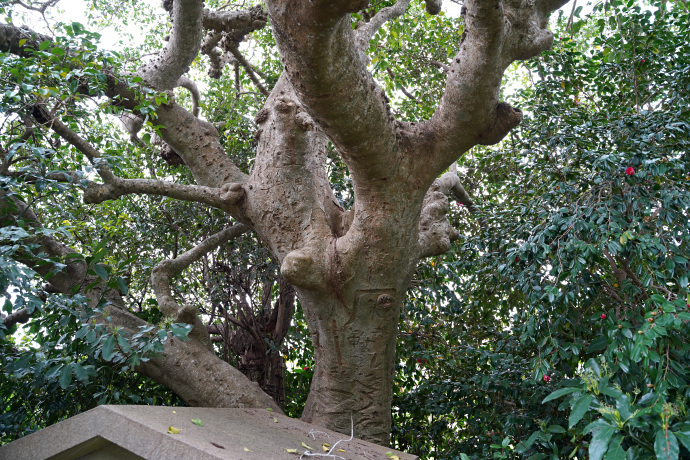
x=598 y=344
x=80 y=372
x=122 y=285
x=101 y=271
x=108 y=347
x=666 y=445
x=556 y=429
x=180 y=330
x=558 y=393
x=682 y=432
x=197 y=422
x=524 y=446
x=600 y=442
x=65 y=376
x=123 y=343
x=579 y=409
x=615 y=449
x=659 y=299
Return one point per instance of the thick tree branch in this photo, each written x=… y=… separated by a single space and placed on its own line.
x=20 y=316
x=236 y=23
x=11 y=37
x=225 y=198
x=332 y=82
x=433 y=7
x=496 y=33
x=163 y=71
x=196 y=142
x=451 y=182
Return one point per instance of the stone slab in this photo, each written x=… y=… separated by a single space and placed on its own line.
x=141 y=432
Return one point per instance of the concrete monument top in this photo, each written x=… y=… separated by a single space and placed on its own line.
x=189 y=433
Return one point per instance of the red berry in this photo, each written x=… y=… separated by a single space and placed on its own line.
x=517 y=258
x=630 y=171
x=603 y=316
x=547 y=379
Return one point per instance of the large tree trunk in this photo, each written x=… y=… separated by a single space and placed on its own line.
x=354 y=350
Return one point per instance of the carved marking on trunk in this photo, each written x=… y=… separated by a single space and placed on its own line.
x=373 y=303
x=336 y=340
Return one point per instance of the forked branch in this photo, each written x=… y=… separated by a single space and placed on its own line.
x=166 y=270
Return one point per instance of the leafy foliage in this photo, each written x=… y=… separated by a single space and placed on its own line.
x=573 y=271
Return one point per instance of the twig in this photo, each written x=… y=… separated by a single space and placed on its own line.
x=330 y=453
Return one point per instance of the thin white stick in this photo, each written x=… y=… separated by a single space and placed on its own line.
x=330 y=453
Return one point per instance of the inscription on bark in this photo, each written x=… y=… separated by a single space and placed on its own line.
x=374 y=304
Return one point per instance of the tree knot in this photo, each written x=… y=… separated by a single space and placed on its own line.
x=261 y=116
x=231 y=192
x=505 y=119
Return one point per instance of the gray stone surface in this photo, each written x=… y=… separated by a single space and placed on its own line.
x=136 y=432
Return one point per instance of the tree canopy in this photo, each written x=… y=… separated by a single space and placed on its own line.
x=282 y=192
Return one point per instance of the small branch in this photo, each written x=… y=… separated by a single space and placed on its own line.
x=44 y=117
x=224 y=198
x=190 y=86
x=70 y=177
x=41 y=8
x=633 y=277
x=229 y=29
x=330 y=453
x=114 y=187
x=166 y=270
x=366 y=31
x=620 y=274
x=402 y=88
x=248 y=68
